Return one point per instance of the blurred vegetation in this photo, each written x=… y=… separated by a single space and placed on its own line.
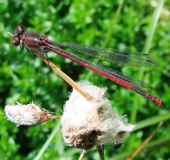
x=124 y=25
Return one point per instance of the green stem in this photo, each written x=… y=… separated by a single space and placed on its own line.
x=101 y=152
x=153 y=25
x=152 y=120
x=148 y=42
x=40 y=153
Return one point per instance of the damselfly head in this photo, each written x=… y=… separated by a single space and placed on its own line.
x=16 y=37
x=20 y=29
x=15 y=41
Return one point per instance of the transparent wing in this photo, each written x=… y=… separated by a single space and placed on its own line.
x=106 y=71
x=112 y=55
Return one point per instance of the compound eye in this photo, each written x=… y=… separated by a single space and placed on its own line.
x=15 y=41
x=20 y=29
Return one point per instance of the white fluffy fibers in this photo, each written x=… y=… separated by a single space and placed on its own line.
x=86 y=124
x=28 y=114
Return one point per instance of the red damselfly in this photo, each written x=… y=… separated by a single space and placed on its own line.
x=34 y=41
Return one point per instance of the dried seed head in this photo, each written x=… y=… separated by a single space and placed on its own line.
x=86 y=124
x=29 y=114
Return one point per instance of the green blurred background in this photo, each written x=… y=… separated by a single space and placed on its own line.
x=123 y=25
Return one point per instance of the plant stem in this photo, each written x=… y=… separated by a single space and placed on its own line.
x=40 y=153
x=87 y=96
x=101 y=152
x=148 y=42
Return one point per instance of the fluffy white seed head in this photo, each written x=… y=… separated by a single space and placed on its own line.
x=86 y=124
x=29 y=114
